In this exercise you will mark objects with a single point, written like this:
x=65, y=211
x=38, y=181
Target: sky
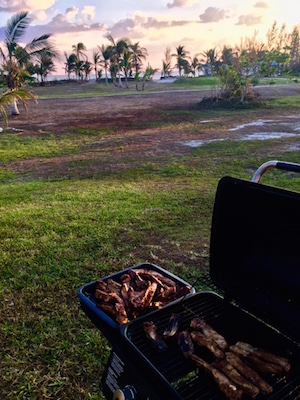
x=198, y=25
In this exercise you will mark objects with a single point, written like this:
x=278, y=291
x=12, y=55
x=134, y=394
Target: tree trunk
x=106, y=78
x=14, y=108
x=120, y=80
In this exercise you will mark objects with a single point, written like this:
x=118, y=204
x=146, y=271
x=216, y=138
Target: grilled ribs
x=234, y=375
x=251, y=359
x=152, y=334
x=248, y=373
x=141, y=290
x=199, y=324
x=203, y=341
x=224, y=384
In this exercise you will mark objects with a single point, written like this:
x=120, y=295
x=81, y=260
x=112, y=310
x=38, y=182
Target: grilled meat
x=141, y=290
x=228, y=388
x=137, y=298
x=182, y=291
x=113, y=286
x=125, y=290
x=113, y=304
x=255, y=362
x=248, y=373
x=266, y=356
x=185, y=344
x=234, y=375
x=155, y=276
x=108, y=296
x=121, y=317
x=151, y=333
x=199, y=324
x=174, y=324
x=203, y=341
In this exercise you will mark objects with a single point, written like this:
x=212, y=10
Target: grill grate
x=234, y=325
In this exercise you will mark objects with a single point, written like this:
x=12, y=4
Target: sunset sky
x=198, y=25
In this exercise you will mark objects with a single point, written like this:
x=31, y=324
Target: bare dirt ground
x=61, y=113
x=147, y=124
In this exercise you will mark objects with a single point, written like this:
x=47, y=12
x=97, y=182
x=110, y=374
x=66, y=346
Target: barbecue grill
x=255, y=263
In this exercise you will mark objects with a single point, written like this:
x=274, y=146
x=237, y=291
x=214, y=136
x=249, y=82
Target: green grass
x=201, y=82
x=285, y=102
x=15, y=147
x=91, y=89
x=64, y=230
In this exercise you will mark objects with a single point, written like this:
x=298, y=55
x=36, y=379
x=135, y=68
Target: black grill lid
x=254, y=254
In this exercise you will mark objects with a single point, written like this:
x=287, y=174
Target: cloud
x=74, y=20
x=122, y=28
x=21, y=5
x=261, y=4
x=39, y=15
x=71, y=13
x=249, y=20
x=89, y=12
x=213, y=14
x=154, y=23
x=179, y=3
x=138, y=26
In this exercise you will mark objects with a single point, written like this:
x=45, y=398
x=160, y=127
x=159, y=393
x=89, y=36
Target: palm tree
x=106, y=52
x=211, y=60
x=16, y=57
x=87, y=69
x=113, y=69
x=181, y=55
x=165, y=69
x=96, y=59
x=79, y=49
x=70, y=63
x=44, y=66
x=138, y=54
x=126, y=64
x=148, y=75
x=118, y=49
x=227, y=56
x=79, y=68
x=194, y=65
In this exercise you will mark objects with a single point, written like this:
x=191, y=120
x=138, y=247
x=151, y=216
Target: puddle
x=293, y=147
x=295, y=126
x=260, y=122
x=206, y=121
x=198, y=143
x=251, y=136
x=293, y=116
x=267, y=135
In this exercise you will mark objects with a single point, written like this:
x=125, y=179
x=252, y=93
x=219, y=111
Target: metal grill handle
x=287, y=166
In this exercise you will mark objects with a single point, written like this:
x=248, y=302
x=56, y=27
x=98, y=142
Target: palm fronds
x=16, y=27
x=38, y=44
x=10, y=96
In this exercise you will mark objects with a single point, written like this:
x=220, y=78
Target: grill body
x=255, y=262
x=180, y=376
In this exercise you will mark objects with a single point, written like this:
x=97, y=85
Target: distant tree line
x=19, y=64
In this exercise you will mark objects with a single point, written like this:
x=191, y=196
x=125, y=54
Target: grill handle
x=287, y=166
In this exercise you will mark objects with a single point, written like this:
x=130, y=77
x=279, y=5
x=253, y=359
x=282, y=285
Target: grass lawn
x=58, y=234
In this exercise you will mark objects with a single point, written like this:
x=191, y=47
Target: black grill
x=255, y=264
x=231, y=322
